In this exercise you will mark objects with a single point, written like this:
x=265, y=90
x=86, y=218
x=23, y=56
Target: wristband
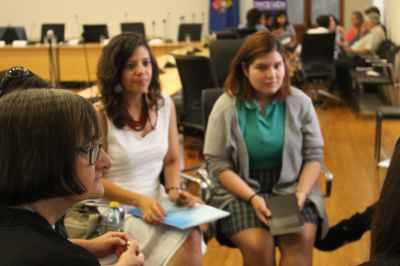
x=251, y=197
x=168, y=189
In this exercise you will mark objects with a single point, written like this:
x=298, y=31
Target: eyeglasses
x=13, y=73
x=92, y=151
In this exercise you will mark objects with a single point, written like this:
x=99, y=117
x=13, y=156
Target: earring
x=117, y=88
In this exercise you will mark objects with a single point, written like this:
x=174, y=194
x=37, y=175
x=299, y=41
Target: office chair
x=221, y=54
x=227, y=35
x=317, y=59
x=196, y=73
x=10, y=34
x=58, y=30
x=94, y=33
x=244, y=32
x=189, y=29
x=134, y=27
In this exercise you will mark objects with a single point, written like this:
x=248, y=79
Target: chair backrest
x=196, y=73
x=208, y=99
x=229, y=34
x=58, y=30
x=94, y=33
x=221, y=54
x=9, y=34
x=317, y=55
x=191, y=29
x=384, y=48
x=244, y=32
x=134, y=27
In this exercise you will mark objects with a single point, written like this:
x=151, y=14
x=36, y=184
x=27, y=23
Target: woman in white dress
x=139, y=123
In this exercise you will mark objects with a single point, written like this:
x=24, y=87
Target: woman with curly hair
x=141, y=136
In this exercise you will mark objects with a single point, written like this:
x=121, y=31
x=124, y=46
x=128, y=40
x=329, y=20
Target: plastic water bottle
x=113, y=219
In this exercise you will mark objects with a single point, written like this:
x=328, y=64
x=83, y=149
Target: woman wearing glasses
x=51, y=158
x=141, y=136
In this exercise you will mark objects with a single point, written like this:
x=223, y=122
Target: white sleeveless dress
x=137, y=163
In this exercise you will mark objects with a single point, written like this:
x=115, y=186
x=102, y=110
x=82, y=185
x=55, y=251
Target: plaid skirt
x=242, y=214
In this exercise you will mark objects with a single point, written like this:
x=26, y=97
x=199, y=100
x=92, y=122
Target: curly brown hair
x=254, y=46
x=111, y=64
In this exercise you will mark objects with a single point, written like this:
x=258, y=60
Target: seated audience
x=254, y=19
x=23, y=78
x=47, y=166
x=354, y=33
x=385, y=231
x=372, y=39
x=284, y=31
x=140, y=134
x=265, y=141
x=269, y=19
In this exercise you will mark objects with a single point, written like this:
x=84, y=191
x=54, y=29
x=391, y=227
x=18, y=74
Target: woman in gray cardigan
x=264, y=139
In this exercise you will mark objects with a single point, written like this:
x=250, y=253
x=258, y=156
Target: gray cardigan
x=225, y=148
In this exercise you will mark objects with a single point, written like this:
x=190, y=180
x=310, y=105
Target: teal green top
x=263, y=134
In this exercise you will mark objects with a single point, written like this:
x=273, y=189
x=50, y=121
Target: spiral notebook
x=184, y=217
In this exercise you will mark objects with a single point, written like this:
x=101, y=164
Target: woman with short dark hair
x=264, y=139
x=51, y=158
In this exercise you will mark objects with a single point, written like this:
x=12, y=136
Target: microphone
x=193, y=17
x=153, y=25
x=30, y=33
x=165, y=29
x=182, y=19
x=78, y=27
x=126, y=16
x=202, y=17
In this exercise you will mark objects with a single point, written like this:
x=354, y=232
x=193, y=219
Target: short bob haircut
x=254, y=46
x=111, y=64
x=41, y=130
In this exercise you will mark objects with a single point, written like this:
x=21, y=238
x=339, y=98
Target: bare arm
x=172, y=167
x=308, y=176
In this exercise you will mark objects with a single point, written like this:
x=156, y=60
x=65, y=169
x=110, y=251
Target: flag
x=223, y=14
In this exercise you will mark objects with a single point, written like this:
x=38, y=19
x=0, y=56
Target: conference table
x=74, y=63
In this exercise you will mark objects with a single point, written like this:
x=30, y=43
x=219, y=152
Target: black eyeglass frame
x=14, y=73
x=91, y=151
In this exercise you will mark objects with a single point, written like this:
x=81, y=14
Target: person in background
x=385, y=231
x=269, y=19
x=254, y=19
x=22, y=78
x=51, y=158
x=372, y=39
x=284, y=31
x=354, y=33
x=264, y=140
x=140, y=134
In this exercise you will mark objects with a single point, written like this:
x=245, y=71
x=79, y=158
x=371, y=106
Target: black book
x=286, y=217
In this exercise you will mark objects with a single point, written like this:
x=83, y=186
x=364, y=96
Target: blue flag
x=223, y=14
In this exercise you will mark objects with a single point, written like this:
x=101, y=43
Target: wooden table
x=71, y=59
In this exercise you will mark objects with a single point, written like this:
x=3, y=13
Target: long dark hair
x=385, y=231
x=255, y=45
x=111, y=64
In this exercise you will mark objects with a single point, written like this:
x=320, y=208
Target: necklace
x=144, y=116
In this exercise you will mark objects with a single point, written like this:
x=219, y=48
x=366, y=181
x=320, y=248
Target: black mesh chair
x=10, y=34
x=58, y=30
x=134, y=27
x=221, y=54
x=317, y=59
x=196, y=73
x=227, y=35
x=189, y=29
x=94, y=33
x=244, y=32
